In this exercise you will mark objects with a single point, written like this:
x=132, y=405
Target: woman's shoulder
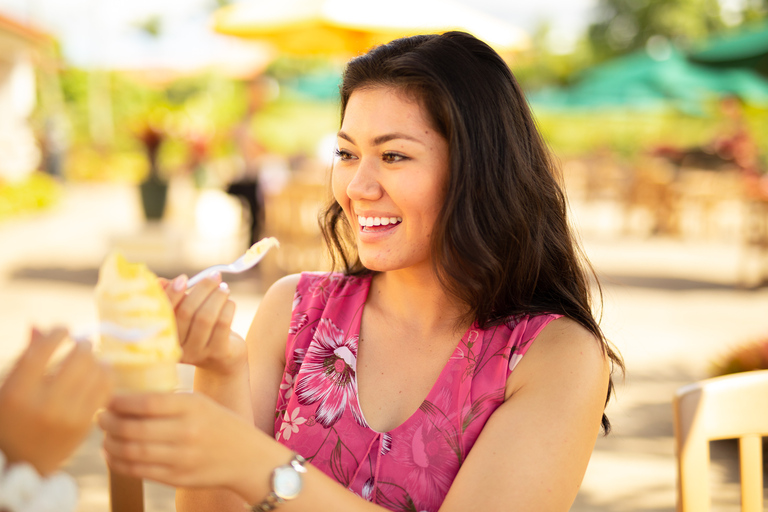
x=313, y=286
x=564, y=339
x=563, y=350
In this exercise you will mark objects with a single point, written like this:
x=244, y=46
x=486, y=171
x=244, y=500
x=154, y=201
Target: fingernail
x=180, y=283
x=224, y=286
x=216, y=277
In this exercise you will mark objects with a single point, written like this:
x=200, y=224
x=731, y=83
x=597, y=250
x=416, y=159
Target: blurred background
x=180, y=131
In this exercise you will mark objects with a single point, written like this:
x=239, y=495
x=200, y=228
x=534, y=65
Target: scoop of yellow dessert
x=260, y=248
x=129, y=295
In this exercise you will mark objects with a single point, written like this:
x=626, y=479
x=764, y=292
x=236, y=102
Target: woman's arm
x=531, y=455
x=266, y=341
x=204, y=317
x=265, y=346
x=534, y=450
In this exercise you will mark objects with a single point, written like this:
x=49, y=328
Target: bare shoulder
x=564, y=353
x=273, y=316
x=282, y=291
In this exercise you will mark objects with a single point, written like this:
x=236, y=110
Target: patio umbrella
x=746, y=46
x=641, y=82
x=349, y=27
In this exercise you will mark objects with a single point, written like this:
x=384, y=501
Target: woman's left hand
x=183, y=440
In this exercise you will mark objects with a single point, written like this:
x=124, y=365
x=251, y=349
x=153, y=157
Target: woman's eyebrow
x=381, y=139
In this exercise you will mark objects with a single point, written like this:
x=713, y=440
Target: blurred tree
x=624, y=26
x=548, y=63
x=754, y=10
x=152, y=26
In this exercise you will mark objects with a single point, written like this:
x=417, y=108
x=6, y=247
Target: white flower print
x=287, y=385
x=291, y=423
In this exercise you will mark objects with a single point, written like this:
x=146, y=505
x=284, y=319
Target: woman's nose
x=364, y=184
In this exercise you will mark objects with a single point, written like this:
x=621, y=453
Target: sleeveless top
x=318, y=415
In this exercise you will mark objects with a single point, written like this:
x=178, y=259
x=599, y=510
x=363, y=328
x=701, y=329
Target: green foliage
x=624, y=26
x=37, y=192
x=152, y=26
x=295, y=126
x=633, y=133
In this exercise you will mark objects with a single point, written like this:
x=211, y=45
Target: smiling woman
x=452, y=362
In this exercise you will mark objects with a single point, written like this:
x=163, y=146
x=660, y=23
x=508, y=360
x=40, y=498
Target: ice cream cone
x=129, y=295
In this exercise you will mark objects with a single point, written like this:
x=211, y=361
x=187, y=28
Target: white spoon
x=247, y=261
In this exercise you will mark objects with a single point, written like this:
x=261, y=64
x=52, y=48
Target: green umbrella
x=746, y=47
x=638, y=81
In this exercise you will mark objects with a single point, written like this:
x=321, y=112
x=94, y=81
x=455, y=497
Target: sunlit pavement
x=671, y=307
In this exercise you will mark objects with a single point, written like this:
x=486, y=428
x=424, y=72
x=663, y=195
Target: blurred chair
x=651, y=187
x=292, y=217
x=729, y=407
x=704, y=191
x=126, y=493
x=753, y=268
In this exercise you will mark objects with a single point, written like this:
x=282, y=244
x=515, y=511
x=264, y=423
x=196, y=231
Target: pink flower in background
x=328, y=375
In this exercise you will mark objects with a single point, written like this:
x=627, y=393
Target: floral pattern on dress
x=328, y=375
x=411, y=467
x=290, y=424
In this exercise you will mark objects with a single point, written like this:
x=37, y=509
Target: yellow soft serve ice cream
x=129, y=295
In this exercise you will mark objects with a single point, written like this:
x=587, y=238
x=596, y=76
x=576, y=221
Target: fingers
x=153, y=405
x=187, y=309
x=155, y=472
x=175, y=289
x=82, y=383
x=128, y=428
x=208, y=341
x=32, y=363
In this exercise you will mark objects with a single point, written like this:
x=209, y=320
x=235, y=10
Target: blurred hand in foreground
x=47, y=410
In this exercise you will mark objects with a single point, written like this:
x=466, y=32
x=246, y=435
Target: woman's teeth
x=378, y=221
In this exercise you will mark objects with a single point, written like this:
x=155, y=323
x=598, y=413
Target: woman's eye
x=343, y=154
x=392, y=158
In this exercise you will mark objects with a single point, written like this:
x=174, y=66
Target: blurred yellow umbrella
x=349, y=27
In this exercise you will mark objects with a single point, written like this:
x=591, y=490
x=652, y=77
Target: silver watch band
x=272, y=501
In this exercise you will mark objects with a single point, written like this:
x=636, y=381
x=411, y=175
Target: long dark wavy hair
x=502, y=244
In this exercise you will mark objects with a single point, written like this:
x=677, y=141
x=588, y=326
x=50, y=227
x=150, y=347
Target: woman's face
x=390, y=177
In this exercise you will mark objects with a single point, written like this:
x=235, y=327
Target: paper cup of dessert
x=130, y=296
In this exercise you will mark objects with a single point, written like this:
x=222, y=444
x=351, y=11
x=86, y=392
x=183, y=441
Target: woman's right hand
x=204, y=317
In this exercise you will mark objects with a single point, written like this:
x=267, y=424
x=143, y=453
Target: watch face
x=286, y=482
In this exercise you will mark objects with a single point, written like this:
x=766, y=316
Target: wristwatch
x=286, y=484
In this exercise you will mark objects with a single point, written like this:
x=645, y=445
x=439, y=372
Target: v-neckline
x=457, y=349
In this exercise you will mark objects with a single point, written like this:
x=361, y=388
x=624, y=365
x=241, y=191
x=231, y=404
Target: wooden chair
x=126, y=494
x=729, y=407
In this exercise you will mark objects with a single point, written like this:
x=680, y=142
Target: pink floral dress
x=411, y=467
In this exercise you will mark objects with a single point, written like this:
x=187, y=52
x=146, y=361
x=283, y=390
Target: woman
x=396, y=380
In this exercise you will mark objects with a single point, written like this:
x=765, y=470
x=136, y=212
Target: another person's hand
x=183, y=439
x=204, y=319
x=45, y=413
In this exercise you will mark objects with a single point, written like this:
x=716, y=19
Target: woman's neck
x=416, y=301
